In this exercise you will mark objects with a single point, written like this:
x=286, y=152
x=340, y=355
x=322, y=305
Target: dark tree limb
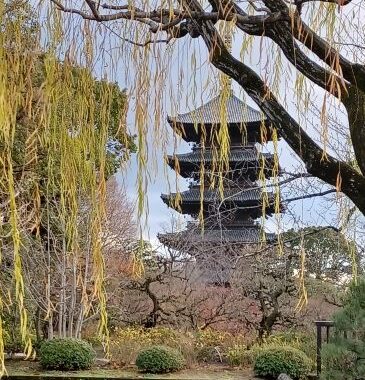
x=339, y=2
x=281, y=34
x=320, y=194
x=352, y=72
x=328, y=169
x=355, y=106
x=351, y=92
x=159, y=16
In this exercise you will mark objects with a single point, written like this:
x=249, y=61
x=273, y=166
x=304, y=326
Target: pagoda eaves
x=244, y=122
x=252, y=235
x=248, y=201
x=243, y=160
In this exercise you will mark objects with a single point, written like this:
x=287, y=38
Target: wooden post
x=327, y=325
x=319, y=347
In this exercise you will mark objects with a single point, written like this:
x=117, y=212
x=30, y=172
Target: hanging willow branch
x=343, y=79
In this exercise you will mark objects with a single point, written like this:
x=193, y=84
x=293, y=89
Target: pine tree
x=344, y=356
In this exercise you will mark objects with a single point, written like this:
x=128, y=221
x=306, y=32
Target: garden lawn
x=28, y=368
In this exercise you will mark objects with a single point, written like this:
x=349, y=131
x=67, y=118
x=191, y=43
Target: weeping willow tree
x=63, y=134
x=163, y=49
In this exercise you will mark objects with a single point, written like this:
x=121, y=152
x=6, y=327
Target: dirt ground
x=20, y=369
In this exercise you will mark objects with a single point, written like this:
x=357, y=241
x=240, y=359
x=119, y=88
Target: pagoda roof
x=211, y=195
x=245, y=235
x=237, y=155
x=244, y=122
x=246, y=202
x=245, y=161
x=237, y=112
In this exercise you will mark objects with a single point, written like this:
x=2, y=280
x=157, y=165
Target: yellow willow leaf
x=277, y=201
x=263, y=131
x=303, y=294
x=278, y=71
x=324, y=132
x=338, y=182
x=263, y=239
x=354, y=259
x=138, y=265
x=202, y=189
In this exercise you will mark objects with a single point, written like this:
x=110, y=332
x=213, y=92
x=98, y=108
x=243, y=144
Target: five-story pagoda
x=229, y=213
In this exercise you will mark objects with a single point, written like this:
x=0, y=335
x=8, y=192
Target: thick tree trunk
x=355, y=106
x=152, y=318
x=79, y=322
x=62, y=331
x=266, y=324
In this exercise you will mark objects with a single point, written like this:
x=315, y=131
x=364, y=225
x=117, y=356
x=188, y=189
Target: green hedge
x=66, y=354
x=159, y=359
x=272, y=361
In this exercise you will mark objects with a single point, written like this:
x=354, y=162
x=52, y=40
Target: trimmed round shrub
x=272, y=361
x=303, y=341
x=159, y=359
x=66, y=354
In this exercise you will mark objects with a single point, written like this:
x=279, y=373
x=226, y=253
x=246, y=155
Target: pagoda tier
x=244, y=123
x=243, y=162
x=245, y=202
x=196, y=238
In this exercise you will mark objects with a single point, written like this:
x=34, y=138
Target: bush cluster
x=127, y=342
x=213, y=346
x=240, y=356
x=205, y=346
x=303, y=341
x=13, y=344
x=66, y=354
x=212, y=338
x=159, y=359
x=272, y=361
x=339, y=363
x=208, y=345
